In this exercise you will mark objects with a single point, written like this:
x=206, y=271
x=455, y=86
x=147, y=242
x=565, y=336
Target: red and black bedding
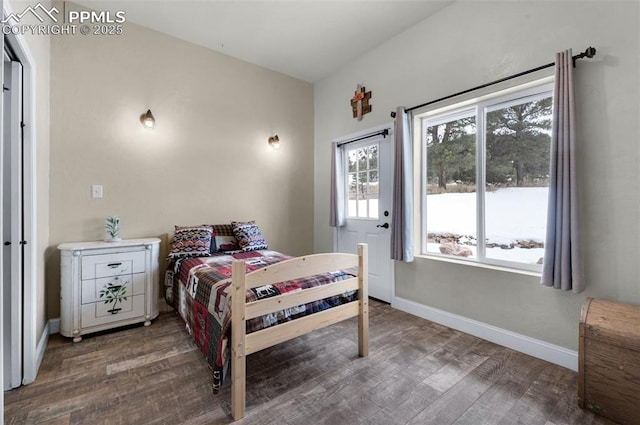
x=198, y=287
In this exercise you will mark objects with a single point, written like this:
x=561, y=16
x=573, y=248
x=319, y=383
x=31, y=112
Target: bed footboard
x=243, y=344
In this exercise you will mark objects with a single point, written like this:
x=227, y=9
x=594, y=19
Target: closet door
x=12, y=223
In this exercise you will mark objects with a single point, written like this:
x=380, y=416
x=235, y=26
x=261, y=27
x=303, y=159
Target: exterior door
x=368, y=180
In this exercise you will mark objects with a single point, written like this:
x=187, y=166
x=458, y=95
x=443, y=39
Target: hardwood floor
x=417, y=372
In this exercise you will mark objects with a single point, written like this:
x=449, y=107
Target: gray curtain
x=402, y=208
x=562, y=267
x=336, y=201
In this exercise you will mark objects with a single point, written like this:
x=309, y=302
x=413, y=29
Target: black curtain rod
x=589, y=53
x=384, y=133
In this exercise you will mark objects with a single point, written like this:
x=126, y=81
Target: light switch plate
x=96, y=191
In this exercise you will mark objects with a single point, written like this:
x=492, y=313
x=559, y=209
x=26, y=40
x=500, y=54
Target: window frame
x=482, y=105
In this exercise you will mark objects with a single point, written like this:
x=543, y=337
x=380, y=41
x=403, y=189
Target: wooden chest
x=609, y=360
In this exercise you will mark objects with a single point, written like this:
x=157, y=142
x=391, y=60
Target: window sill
x=478, y=264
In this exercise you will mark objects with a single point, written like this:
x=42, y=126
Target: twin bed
x=239, y=301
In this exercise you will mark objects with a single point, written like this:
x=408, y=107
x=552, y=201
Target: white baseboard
x=531, y=346
x=54, y=326
x=40, y=349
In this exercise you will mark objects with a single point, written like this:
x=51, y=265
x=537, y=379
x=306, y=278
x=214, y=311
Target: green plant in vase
x=112, y=228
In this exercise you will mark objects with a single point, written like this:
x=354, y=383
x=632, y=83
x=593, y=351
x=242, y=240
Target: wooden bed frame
x=243, y=344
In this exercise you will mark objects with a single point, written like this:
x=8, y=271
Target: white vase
x=112, y=229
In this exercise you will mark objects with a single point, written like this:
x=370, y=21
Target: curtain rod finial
x=590, y=52
x=393, y=114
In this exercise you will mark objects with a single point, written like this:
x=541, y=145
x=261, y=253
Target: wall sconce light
x=147, y=119
x=274, y=142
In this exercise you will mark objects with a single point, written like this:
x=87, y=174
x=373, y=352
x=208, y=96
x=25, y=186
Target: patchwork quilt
x=199, y=289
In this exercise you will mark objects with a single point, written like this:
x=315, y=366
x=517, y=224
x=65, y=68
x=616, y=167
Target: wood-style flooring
x=417, y=372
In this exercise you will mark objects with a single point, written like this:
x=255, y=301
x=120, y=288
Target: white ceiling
x=306, y=39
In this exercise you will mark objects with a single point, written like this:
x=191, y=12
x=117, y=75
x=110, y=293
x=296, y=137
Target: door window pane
x=373, y=193
x=362, y=182
x=362, y=192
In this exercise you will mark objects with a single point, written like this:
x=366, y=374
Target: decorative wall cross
x=360, y=102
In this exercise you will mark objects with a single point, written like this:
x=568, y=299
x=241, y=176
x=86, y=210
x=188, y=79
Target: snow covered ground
x=512, y=214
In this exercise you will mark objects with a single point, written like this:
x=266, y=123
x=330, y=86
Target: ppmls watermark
x=85, y=22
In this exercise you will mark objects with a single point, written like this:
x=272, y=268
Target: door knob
x=384, y=226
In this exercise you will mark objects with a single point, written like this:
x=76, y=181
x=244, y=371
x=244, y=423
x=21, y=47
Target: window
x=362, y=182
x=485, y=180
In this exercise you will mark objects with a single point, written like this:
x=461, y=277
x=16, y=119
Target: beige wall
x=207, y=160
x=471, y=43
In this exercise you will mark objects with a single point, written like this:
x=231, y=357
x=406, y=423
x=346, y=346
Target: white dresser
x=104, y=285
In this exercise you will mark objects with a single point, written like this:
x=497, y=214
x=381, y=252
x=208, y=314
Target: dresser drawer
x=104, y=265
x=99, y=313
x=123, y=285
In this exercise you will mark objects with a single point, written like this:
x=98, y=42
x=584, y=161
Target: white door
x=1, y=237
x=368, y=180
x=12, y=224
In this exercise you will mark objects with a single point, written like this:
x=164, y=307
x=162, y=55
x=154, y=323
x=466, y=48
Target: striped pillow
x=191, y=241
x=248, y=235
